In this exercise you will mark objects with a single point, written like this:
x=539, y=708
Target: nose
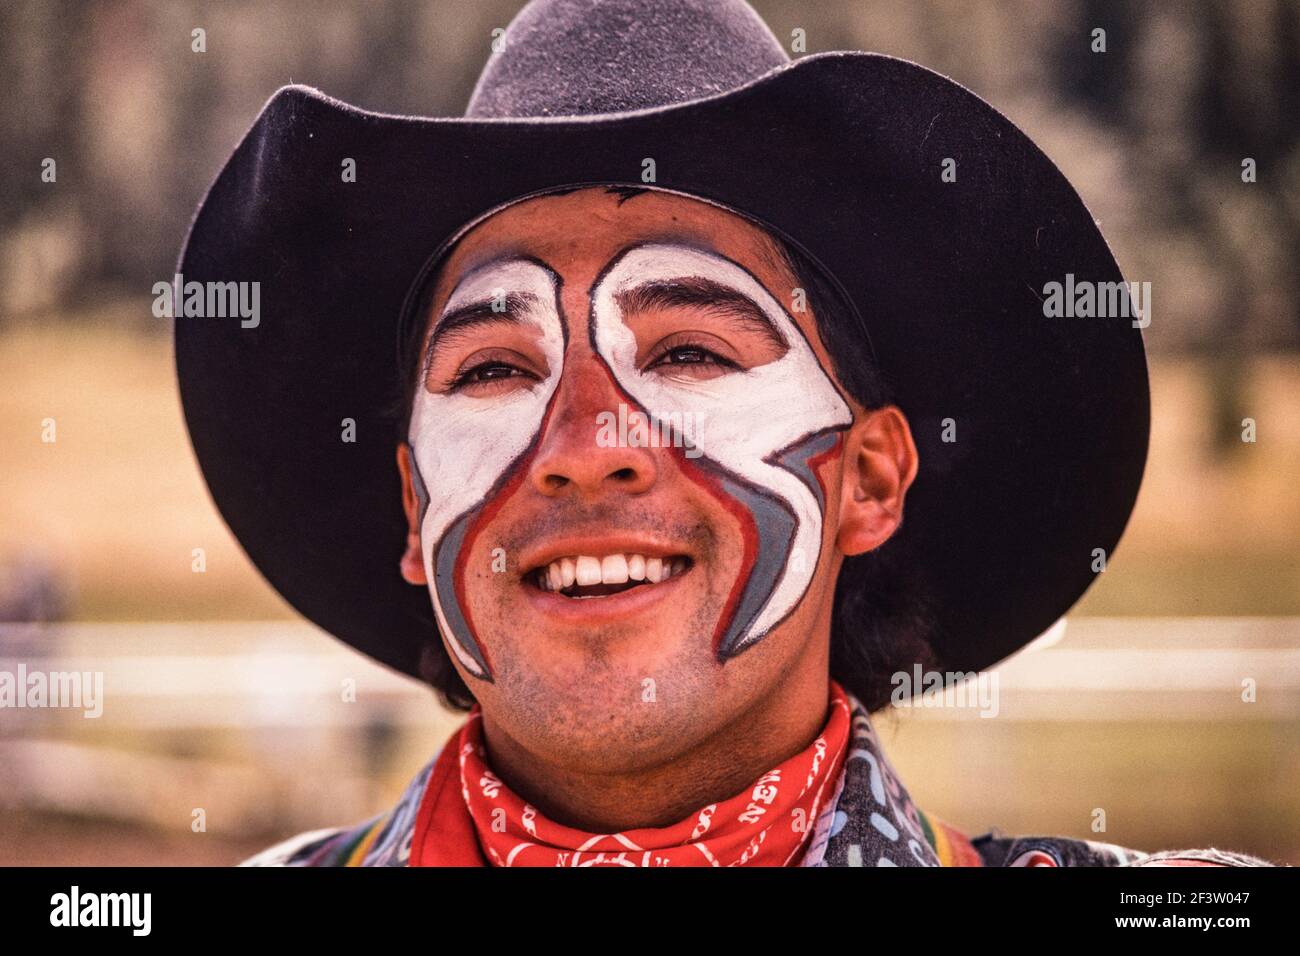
x=574, y=455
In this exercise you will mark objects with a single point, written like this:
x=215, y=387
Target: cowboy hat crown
x=584, y=57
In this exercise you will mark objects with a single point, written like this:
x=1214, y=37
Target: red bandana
x=767, y=824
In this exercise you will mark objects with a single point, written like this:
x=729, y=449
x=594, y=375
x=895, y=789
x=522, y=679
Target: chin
x=602, y=711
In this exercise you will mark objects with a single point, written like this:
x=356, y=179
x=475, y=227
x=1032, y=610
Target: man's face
x=627, y=456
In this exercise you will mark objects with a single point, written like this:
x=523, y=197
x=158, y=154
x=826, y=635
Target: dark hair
x=880, y=621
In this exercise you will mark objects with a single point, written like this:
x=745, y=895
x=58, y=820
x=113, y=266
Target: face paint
x=466, y=448
x=768, y=428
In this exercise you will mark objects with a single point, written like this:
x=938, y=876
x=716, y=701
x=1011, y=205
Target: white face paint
x=764, y=424
x=464, y=446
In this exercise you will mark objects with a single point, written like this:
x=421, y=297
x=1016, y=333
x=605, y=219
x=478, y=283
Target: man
x=682, y=331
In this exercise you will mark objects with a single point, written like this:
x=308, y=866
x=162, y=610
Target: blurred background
x=222, y=707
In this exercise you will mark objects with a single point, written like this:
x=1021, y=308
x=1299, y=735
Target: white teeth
x=588, y=570
x=585, y=569
x=613, y=569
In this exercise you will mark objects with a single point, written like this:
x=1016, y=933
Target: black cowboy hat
x=841, y=154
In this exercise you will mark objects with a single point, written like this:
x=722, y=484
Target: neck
x=778, y=725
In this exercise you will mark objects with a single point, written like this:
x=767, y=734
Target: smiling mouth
x=588, y=576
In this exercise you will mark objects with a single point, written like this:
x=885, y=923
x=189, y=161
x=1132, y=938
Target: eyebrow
x=476, y=314
x=701, y=293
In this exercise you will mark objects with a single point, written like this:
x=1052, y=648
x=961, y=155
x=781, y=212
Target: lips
x=592, y=576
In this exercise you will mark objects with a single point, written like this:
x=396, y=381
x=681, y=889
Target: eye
x=489, y=376
x=690, y=360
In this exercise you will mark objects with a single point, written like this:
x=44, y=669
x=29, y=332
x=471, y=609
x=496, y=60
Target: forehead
x=577, y=233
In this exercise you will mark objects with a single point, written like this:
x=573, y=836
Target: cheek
x=466, y=557
x=485, y=567
x=826, y=471
x=739, y=545
x=488, y=583
x=829, y=472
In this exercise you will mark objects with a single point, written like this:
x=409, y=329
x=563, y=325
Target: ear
x=412, y=562
x=880, y=463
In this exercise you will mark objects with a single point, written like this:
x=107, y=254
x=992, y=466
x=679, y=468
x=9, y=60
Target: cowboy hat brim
x=842, y=153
